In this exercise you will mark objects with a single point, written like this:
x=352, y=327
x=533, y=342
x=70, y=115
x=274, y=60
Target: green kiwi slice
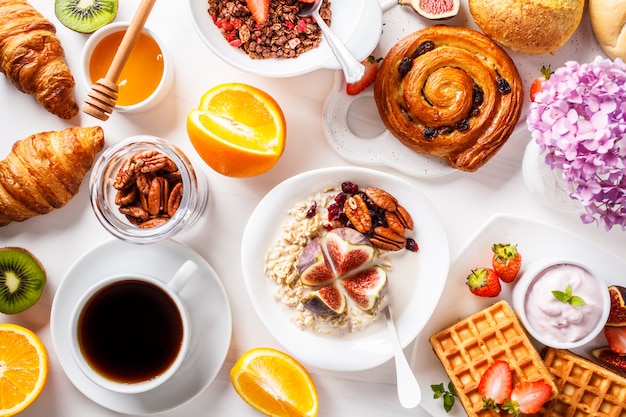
x=85, y=16
x=22, y=280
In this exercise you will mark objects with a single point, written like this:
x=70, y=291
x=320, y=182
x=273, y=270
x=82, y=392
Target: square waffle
x=585, y=388
x=468, y=347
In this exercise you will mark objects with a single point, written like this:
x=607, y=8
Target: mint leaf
x=448, y=396
x=567, y=297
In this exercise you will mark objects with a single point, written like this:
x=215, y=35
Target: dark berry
x=405, y=66
x=334, y=211
x=503, y=85
x=462, y=125
x=411, y=245
x=340, y=198
x=430, y=132
x=478, y=97
x=349, y=187
x=312, y=210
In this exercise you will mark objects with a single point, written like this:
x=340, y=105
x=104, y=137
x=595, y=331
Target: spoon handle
x=353, y=70
x=409, y=391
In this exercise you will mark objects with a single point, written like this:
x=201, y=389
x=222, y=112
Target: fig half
x=434, y=9
x=348, y=250
x=611, y=360
x=313, y=267
x=326, y=301
x=617, y=314
x=366, y=288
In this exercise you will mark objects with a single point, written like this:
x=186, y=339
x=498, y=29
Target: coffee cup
x=131, y=332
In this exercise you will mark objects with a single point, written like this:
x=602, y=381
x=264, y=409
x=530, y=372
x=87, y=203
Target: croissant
x=45, y=170
x=450, y=92
x=32, y=58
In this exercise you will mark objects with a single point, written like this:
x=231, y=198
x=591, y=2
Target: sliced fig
x=434, y=9
x=611, y=360
x=313, y=267
x=616, y=336
x=348, y=250
x=617, y=314
x=326, y=301
x=366, y=288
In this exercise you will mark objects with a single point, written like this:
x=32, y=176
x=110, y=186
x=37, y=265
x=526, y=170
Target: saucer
x=206, y=301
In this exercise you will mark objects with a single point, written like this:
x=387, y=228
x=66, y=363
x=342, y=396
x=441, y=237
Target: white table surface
x=464, y=202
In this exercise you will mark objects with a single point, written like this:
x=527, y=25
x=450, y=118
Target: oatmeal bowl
x=325, y=251
x=286, y=45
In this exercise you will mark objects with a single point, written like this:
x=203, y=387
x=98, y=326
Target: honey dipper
x=103, y=95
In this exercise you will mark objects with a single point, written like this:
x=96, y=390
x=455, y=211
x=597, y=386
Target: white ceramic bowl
x=524, y=286
x=162, y=89
x=358, y=23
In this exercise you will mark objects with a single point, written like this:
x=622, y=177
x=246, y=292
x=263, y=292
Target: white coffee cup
x=130, y=332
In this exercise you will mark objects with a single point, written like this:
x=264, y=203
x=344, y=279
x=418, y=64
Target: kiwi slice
x=85, y=16
x=22, y=280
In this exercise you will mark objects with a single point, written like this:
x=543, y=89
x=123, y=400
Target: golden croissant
x=45, y=170
x=32, y=58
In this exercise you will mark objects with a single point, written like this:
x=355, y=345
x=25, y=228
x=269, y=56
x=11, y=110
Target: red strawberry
x=506, y=261
x=371, y=69
x=484, y=282
x=260, y=10
x=527, y=398
x=536, y=86
x=616, y=336
x=496, y=384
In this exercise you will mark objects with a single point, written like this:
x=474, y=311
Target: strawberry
x=506, y=261
x=616, y=336
x=371, y=69
x=260, y=10
x=484, y=282
x=536, y=86
x=496, y=384
x=527, y=398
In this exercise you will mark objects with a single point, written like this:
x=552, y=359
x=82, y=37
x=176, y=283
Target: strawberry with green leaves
x=527, y=398
x=536, y=86
x=506, y=261
x=484, y=282
x=371, y=70
x=496, y=384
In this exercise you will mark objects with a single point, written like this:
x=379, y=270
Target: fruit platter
x=279, y=212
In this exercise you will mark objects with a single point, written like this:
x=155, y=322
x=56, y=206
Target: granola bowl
x=358, y=23
x=145, y=190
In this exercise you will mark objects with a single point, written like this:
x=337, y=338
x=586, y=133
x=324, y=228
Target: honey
x=142, y=72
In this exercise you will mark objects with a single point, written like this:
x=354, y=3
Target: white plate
x=352, y=124
x=535, y=240
x=358, y=23
x=415, y=282
x=208, y=308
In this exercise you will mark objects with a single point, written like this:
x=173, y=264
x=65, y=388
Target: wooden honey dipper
x=101, y=99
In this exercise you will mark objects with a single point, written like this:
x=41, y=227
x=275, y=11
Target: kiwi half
x=85, y=16
x=22, y=280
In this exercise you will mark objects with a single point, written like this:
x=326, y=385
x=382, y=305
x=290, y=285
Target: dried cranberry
x=349, y=187
x=411, y=245
x=312, y=210
x=340, y=198
x=334, y=211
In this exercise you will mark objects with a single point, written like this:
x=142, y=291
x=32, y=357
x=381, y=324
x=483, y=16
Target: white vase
x=546, y=184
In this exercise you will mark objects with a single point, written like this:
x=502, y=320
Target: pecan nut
x=357, y=212
x=173, y=202
x=381, y=198
x=394, y=222
x=387, y=239
x=405, y=217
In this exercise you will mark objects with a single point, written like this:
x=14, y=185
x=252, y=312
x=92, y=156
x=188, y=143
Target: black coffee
x=130, y=331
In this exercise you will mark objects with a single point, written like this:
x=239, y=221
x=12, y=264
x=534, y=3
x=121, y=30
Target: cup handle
x=182, y=276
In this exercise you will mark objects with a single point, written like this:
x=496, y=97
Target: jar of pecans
x=145, y=190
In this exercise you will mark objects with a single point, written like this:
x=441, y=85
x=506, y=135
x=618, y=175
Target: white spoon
x=409, y=391
x=353, y=70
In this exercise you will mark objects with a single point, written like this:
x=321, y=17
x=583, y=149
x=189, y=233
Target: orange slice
x=238, y=130
x=274, y=383
x=23, y=368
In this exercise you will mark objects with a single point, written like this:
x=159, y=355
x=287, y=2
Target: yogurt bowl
x=561, y=302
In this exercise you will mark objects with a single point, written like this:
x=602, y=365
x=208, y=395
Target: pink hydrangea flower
x=579, y=122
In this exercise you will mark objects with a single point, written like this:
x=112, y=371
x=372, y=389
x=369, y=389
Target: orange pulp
x=141, y=74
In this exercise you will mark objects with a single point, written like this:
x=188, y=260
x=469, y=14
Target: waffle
x=585, y=388
x=468, y=347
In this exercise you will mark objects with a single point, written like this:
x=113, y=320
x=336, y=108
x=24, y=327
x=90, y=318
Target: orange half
x=238, y=130
x=23, y=368
x=275, y=384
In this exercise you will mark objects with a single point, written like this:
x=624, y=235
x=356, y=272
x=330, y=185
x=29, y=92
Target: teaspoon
x=353, y=70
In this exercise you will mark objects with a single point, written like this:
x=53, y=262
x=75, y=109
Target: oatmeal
x=284, y=35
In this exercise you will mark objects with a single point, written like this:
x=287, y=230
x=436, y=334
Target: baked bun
x=450, y=92
x=528, y=26
x=608, y=21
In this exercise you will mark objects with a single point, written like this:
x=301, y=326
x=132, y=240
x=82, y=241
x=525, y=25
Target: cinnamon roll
x=450, y=92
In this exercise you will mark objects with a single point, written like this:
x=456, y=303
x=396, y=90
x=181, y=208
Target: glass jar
x=129, y=218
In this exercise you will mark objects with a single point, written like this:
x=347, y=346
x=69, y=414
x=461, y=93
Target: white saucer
x=206, y=301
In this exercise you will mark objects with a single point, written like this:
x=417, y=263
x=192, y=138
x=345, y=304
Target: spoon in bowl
x=353, y=70
x=409, y=391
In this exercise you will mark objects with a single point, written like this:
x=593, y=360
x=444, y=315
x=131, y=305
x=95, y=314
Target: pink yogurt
x=558, y=321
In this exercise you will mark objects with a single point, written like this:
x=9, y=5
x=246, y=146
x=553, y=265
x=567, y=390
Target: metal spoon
x=353, y=70
x=409, y=391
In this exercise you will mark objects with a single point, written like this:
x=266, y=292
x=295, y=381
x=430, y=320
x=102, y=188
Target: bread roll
x=449, y=92
x=528, y=26
x=608, y=21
